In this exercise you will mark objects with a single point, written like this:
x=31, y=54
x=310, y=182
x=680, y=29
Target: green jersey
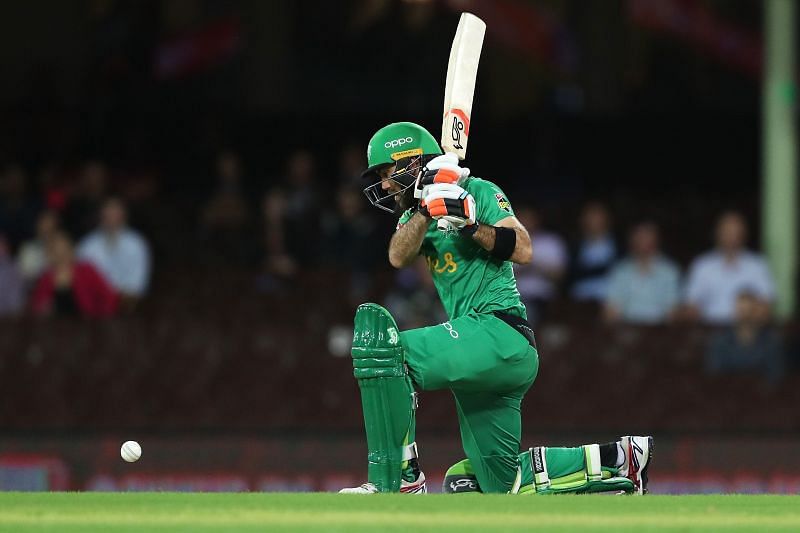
x=466, y=276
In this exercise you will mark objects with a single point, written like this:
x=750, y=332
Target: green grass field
x=111, y=512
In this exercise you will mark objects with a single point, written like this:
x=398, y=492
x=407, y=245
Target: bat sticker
x=456, y=130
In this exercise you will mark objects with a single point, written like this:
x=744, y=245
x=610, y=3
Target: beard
x=403, y=200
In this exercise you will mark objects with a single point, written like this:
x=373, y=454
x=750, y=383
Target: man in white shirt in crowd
x=717, y=277
x=644, y=287
x=537, y=281
x=119, y=252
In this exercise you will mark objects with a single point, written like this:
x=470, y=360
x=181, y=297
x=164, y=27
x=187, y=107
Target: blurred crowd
x=639, y=283
x=728, y=286
x=67, y=248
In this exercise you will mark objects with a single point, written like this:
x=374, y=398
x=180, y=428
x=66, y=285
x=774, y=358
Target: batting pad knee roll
x=460, y=478
x=387, y=396
x=376, y=350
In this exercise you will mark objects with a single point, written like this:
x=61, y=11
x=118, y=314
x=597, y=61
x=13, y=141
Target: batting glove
x=449, y=202
x=441, y=169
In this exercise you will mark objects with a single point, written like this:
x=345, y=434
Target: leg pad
x=592, y=478
x=377, y=352
x=387, y=397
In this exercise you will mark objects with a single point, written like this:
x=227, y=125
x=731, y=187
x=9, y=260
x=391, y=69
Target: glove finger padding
x=439, y=175
x=447, y=160
x=452, y=203
x=443, y=169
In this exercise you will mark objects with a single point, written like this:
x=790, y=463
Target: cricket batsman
x=485, y=354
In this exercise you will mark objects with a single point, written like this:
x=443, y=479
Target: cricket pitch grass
x=171, y=512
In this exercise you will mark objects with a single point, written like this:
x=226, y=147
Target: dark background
x=603, y=107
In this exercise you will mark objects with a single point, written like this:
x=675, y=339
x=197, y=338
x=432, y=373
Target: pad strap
x=541, y=479
x=410, y=452
x=515, y=488
x=594, y=470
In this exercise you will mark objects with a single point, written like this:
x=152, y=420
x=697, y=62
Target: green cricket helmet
x=408, y=147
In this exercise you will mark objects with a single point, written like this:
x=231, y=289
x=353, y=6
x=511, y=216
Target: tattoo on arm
x=406, y=241
x=485, y=237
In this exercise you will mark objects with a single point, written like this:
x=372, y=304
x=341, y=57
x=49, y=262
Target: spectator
x=351, y=164
x=538, y=281
x=81, y=213
x=413, y=300
x=11, y=284
x=54, y=191
x=226, y=210
x=290, y=219
x=350, y=241
x=226, y=213
x=749, y=345
x=276, y=259
x=301, y=205
x=593, y=256
x=71, y=288
x=643, y=288
x=32, y=255
x=17, y=210
x=120, y=253
x=716, y=277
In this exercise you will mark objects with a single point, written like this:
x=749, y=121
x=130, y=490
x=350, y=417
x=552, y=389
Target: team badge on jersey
x=502, y=203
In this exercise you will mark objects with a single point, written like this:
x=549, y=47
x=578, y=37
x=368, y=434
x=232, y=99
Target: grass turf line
x=173, y=512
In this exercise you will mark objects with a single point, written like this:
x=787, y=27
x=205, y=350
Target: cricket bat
x=462, y=71
x=459, y=89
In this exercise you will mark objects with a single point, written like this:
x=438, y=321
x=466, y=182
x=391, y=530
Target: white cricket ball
x=131, y=451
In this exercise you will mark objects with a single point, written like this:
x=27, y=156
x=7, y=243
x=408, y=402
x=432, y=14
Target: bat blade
x=462, y=71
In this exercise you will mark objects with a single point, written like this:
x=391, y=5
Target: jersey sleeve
x=404, y=218
x=492, y=202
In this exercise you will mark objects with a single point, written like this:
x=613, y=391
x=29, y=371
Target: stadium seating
x=243, y=360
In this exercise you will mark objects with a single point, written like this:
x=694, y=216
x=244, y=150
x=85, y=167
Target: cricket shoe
x=406, y=487
x=638, y=453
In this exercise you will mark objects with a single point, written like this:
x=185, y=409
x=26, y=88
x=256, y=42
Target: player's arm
x=407, y=240
x=494, y=228
x=487, y=237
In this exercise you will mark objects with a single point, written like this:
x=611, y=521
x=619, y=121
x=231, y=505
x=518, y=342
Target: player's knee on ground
x=460, y=478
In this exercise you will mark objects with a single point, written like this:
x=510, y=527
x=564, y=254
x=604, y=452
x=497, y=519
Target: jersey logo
x=394, y=338
x=502, y=203
x=449, y=327
x=449, y=265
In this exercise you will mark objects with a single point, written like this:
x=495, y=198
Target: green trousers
x=489, y=366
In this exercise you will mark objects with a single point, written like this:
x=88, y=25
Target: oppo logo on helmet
x=394, y=143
